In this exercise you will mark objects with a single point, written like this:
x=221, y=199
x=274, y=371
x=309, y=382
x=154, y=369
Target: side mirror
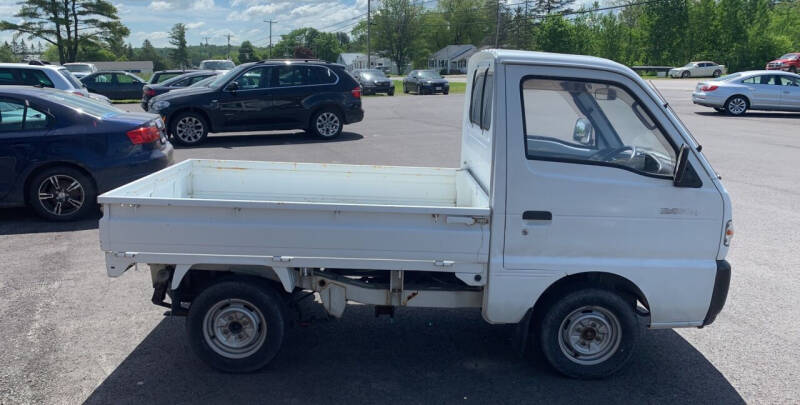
x=233, y=86
x=583, y=132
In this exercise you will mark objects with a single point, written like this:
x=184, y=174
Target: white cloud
x=159, y=5
x=195, y=25
x=203, y=5
x=261, y=10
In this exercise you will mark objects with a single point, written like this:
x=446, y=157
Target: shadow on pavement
x=262, y=139
x=422, y=356
x=15, y=221
x=753, y=114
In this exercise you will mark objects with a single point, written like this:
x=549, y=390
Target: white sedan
x=699, y=69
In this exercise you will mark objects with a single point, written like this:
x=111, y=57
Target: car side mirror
x=233, y=86
x=583, y=132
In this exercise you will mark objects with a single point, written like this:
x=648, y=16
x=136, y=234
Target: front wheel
x=716, y=73
x=736, y=105
x=685, y=74
x=236, y=327
x=327, y=123
x=589, y=333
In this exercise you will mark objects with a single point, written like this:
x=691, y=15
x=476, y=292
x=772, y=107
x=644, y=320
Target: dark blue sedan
x=59, y=150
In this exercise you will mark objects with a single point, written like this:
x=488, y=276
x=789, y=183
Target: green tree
x=177, y=38
x=396, y=29
x=148, y=52
x=327, y=47
x=247, y=53
x=6, y=53
x=67, y=24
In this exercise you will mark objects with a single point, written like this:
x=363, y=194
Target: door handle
x=537, y=216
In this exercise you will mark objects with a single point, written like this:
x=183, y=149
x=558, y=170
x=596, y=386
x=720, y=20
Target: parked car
x=178, y=82
x=164, y=75
x=45, y=75
x=115, y=85
x=80, y=70
x=582, y=213
x=59, y=150
x=269, y=95
x=699, y=69
x=218, y=65
x=425, y=82
x=756, y=90
x=373, y=81
x=789, y=63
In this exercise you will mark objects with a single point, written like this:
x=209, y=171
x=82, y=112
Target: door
x=244, y=101
x=101, y=83
x=293, y=87
x=127, y=87
x=20, y=127
x=790, y=93
x=764, y=91
x=589, y=187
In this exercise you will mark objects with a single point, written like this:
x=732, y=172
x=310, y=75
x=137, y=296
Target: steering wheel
x=607, y=155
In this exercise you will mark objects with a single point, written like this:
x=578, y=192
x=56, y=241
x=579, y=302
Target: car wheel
x=326, y=123
x=62, y=194
x=589, y=333
x=189, y=129
x=405, y=89
x=793, y=69
x=446, y=92
x=716, y=73
x=236, y=327
x=685, y=74
x=391, y=92
x=736, y=105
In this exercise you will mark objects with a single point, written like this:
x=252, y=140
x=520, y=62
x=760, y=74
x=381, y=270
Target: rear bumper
x=151, y=162
x=705, y=100
x=722, y=282
x=353, y=115
x=379, y=89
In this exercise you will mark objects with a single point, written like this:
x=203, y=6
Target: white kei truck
x=583, y=211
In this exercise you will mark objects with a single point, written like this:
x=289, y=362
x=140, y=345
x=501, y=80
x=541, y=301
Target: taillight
x=77, y=93
x=356, y=92
x=728, y=236
x=149, y=92
x=709, y=87
x=145, y=134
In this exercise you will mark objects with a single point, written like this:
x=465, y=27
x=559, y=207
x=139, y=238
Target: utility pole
x=269, y=53
x=369, y=27
x=497, y=27
x=229, y=46
x=208, y=51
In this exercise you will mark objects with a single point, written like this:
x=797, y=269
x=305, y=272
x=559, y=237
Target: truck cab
x=583, y=211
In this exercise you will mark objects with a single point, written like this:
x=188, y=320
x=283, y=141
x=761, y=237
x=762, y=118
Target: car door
x=127, y=86
x=294, y=85
x=589, y=187
x=763, y=91
x=244, y=101
x=21, y=125
x=101, y=83
x=790, y=93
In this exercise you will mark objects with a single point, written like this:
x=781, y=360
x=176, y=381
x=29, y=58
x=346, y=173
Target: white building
x=452, y=58
x=136, y=66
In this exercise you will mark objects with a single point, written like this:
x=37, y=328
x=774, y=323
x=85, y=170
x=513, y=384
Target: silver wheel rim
x=737, y=106
x=589, y=335
x=234, y=328
x=327, y=124
x=189, y=129
x=61, y=195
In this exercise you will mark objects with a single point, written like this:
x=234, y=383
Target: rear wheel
x=236, y=327
x=589, y=333
x=736, y=105
x=793, y=69
x=189, y=129
x=326, y=123
x=62, y=194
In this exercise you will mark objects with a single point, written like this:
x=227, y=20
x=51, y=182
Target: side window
x=35, y=119
x=183, y=83
x=125, y=79
x=196, y=79
x=7, y=77
x=321, y=75
x=16, y=116
x=31, y=77
x=595, y=123
x=477, y=98
x=751, y=80
x=292, y=76
x=787, y=81
x=488, y=96
x=103, y=78
x=256, y=78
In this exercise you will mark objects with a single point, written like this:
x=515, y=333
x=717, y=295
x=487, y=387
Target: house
x=452, y=58
x=138, y=67
x=347, y=59
x=353, y=61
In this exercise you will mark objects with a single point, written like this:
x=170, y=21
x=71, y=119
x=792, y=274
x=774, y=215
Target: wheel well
x=50, y=165
x=324, y=106
x=746, y=100
x=197, y=280
x=198, y=111
x=607, y=281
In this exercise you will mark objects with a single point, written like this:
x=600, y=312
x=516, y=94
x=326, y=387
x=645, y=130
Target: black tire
x=716, y=73
x=585, y=307
x=391, y=92
x=737, y=105
x=248, y=303
x=62, y=193
x=446, y=92
x=719, y=110
x=326, y=123
x=405, y=89
x=685, y=74
x=193, y=128
x=793, y=69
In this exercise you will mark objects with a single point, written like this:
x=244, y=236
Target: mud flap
x=520, y=338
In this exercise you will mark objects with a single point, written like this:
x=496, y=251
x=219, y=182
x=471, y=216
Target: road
x=69, y=334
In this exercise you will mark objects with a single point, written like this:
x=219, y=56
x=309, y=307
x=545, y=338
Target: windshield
x=790, y=56
x=429, y=74
x=222, y=79
x=729, y=77
x=173, y=79
x=79, y=68
x=690, y=64
x=217, y=65
x=205, y=82
x=83, y=105
x=70, y=78
x=373, y=74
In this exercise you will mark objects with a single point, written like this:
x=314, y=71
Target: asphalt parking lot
x=69, y=334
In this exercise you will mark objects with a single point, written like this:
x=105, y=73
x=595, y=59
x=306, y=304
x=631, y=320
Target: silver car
x=698, y=69
x=757, y=90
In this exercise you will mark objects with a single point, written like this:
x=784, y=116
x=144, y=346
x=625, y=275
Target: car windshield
x=217, y=65
x=222, y=79
x=690, y=64
x=790, y=56
x=70, y=78
x=173, y=79
x=79, y=68
x=429, y=74
x=205, y=82
x=83, y=105
x=729, y=77
x=373, y=74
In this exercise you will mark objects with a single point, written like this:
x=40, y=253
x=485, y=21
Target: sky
x=215, y=19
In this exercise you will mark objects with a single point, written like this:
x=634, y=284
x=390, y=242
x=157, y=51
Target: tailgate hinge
x=282, y=259
x=443, y=263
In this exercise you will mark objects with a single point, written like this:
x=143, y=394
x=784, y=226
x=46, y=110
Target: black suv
x=268, y=95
